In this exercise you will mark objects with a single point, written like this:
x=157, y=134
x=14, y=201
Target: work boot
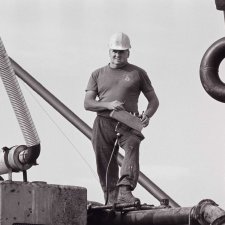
x=125, y=195
x=112, y=196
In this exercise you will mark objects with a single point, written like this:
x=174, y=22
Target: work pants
x=103, y=140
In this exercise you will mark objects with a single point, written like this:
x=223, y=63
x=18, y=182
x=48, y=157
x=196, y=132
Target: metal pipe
x=10, y=160
x=206, y=212
x=51, y=99
x=30, y=155
x=83, y=127
x=169, y=216
x=22, y=113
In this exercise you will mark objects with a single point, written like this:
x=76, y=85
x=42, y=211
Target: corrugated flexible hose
x=20, y=108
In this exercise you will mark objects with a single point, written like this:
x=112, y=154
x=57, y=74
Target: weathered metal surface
x=205, y=213
x=9, y=160
x=169, y=216
x=41, y=203
x=208, y=212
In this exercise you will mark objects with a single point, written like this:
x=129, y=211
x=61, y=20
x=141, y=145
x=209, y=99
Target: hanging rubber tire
x=209, y=70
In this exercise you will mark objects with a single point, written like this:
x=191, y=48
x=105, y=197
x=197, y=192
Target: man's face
x=118, y=58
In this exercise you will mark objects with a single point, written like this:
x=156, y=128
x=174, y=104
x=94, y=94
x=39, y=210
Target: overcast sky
x=61, y=42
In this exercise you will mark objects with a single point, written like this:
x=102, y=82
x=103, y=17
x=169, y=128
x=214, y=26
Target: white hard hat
x=119, y=41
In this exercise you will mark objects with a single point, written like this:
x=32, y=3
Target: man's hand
x=145, y=120
x=116, y=105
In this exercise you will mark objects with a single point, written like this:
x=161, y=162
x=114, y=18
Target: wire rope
x=63, y=133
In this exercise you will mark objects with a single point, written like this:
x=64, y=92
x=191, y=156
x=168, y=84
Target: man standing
x=117, y=86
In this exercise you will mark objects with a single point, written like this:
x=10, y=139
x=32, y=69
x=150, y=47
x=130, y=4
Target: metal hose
x=20, y=108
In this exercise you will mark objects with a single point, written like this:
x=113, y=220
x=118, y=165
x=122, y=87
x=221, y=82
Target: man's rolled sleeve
x=92, y=83
x=146, y=85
